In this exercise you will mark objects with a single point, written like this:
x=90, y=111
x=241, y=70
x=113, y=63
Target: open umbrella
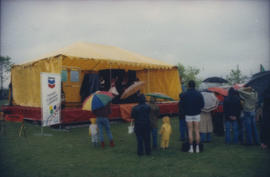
x=132, y=89
x=215, y=80
x=97, y=100
x=259, y=82
x=210, y=101
x=219, y=90
x=159, y=95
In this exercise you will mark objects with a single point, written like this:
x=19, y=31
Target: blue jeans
x=154, y=137
x=241, y=129
x=205, y=137
x=250, y=126
x=228, y=125
x=143, y=140
x=104, y=122
x=183, y=129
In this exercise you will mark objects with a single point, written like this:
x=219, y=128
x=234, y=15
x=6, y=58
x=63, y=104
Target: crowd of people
x=238, y=118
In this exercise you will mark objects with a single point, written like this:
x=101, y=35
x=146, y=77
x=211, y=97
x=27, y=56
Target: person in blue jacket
x=193, y=102
x=142, y=126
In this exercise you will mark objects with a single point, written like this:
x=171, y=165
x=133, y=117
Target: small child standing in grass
x=165, y=132
x=93, y=131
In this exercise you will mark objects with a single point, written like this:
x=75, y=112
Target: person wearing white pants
x=193, y=103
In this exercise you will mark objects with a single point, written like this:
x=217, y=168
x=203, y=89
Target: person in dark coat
x=217, y=115
x=193, y=102
x=265, y=126
x=232, y=110
x=142, y=127
x=182, y=122
x=154, y=113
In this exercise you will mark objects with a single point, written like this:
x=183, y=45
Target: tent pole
x=110, y=75
x=148, y=78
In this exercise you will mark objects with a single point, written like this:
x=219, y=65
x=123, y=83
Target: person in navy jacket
x=232, y=111
x=192, y=104
x=142, y=126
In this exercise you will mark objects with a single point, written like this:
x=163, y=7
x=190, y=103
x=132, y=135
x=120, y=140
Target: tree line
x=5, y=66
x=187, y=73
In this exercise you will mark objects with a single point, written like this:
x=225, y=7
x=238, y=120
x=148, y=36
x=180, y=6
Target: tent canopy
x=159, y=76
x=88, y=56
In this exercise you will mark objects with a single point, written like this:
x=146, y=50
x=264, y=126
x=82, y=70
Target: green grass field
x=71, y=154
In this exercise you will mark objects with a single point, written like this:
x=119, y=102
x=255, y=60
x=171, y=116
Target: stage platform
x=71, y=115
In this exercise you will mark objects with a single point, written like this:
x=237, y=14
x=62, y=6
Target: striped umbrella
x=97, y=100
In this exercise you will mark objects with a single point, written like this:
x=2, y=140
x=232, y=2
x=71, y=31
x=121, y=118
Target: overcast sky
x=214, y=36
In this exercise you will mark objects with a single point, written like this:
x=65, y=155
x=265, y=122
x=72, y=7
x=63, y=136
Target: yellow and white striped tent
x=85, y=57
